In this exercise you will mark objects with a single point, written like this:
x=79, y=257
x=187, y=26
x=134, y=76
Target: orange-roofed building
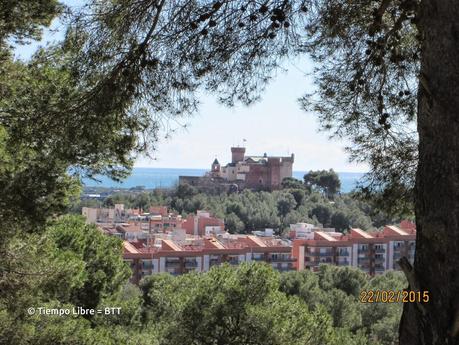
x=163, y=221
x=372, y=252
x=200, y=254
x=160, y=210
x=180, y=252
x=202, y=223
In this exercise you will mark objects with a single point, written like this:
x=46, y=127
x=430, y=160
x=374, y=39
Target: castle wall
x=274, y=172
x=286, y=170
x=257, y=177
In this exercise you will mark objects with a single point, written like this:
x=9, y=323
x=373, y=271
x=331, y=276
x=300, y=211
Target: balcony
x=397, y=255
x=213, y=262
x=363, y=261
x=283, y=259
x=380, y=268
x=327, y=253
x=343, y=253
x=284, y=269
x=379, y=260
x=326, y=261
x=191, y=264
x=172, y=260
x=343, y=263
x=258, y=258
x=173, y=263
x=380, y=250
x=147, y=266
x=233, y=261
x=363, y=251
x=311, y=263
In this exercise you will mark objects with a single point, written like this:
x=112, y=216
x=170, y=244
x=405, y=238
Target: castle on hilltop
x=253, y=172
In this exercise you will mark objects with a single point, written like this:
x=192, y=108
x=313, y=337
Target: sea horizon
x=152, y=178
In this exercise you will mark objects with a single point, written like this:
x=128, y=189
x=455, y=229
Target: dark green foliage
x=304, y=284
x=129, y=299
x=33, y=188
x=322, y=213
x=108, y=202
x=339, y=221
x=41, y=114
x=383, y=318
x=324, y=181
x=104, y=270
x=185, y=191
x=344, y=309
x=241, y=305
x=24, y=20
x=234, y=224
x=44, y=137
x=142, y=201
x=69, y=265
x=285, y=204
x=338, y=289
x=349, y=280
x=299, y=196
x=291, y=182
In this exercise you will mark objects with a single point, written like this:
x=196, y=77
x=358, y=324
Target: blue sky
x=275, y=125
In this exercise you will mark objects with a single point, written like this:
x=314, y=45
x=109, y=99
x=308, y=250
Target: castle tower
x=215, y=166
x=237, y=154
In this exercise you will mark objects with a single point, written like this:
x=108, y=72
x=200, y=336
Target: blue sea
x=166, y=178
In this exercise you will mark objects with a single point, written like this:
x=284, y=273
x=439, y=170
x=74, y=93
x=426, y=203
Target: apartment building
x=132, y=231
x=372, y=252
x=305, y=231
x=203, y=223
x=165, y=223
x=105, y=215
x=180, y=253
x=132, y=224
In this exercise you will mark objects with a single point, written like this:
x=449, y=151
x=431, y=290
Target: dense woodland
x=298, y=201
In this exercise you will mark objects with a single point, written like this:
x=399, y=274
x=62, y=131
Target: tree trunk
x=436, y=267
